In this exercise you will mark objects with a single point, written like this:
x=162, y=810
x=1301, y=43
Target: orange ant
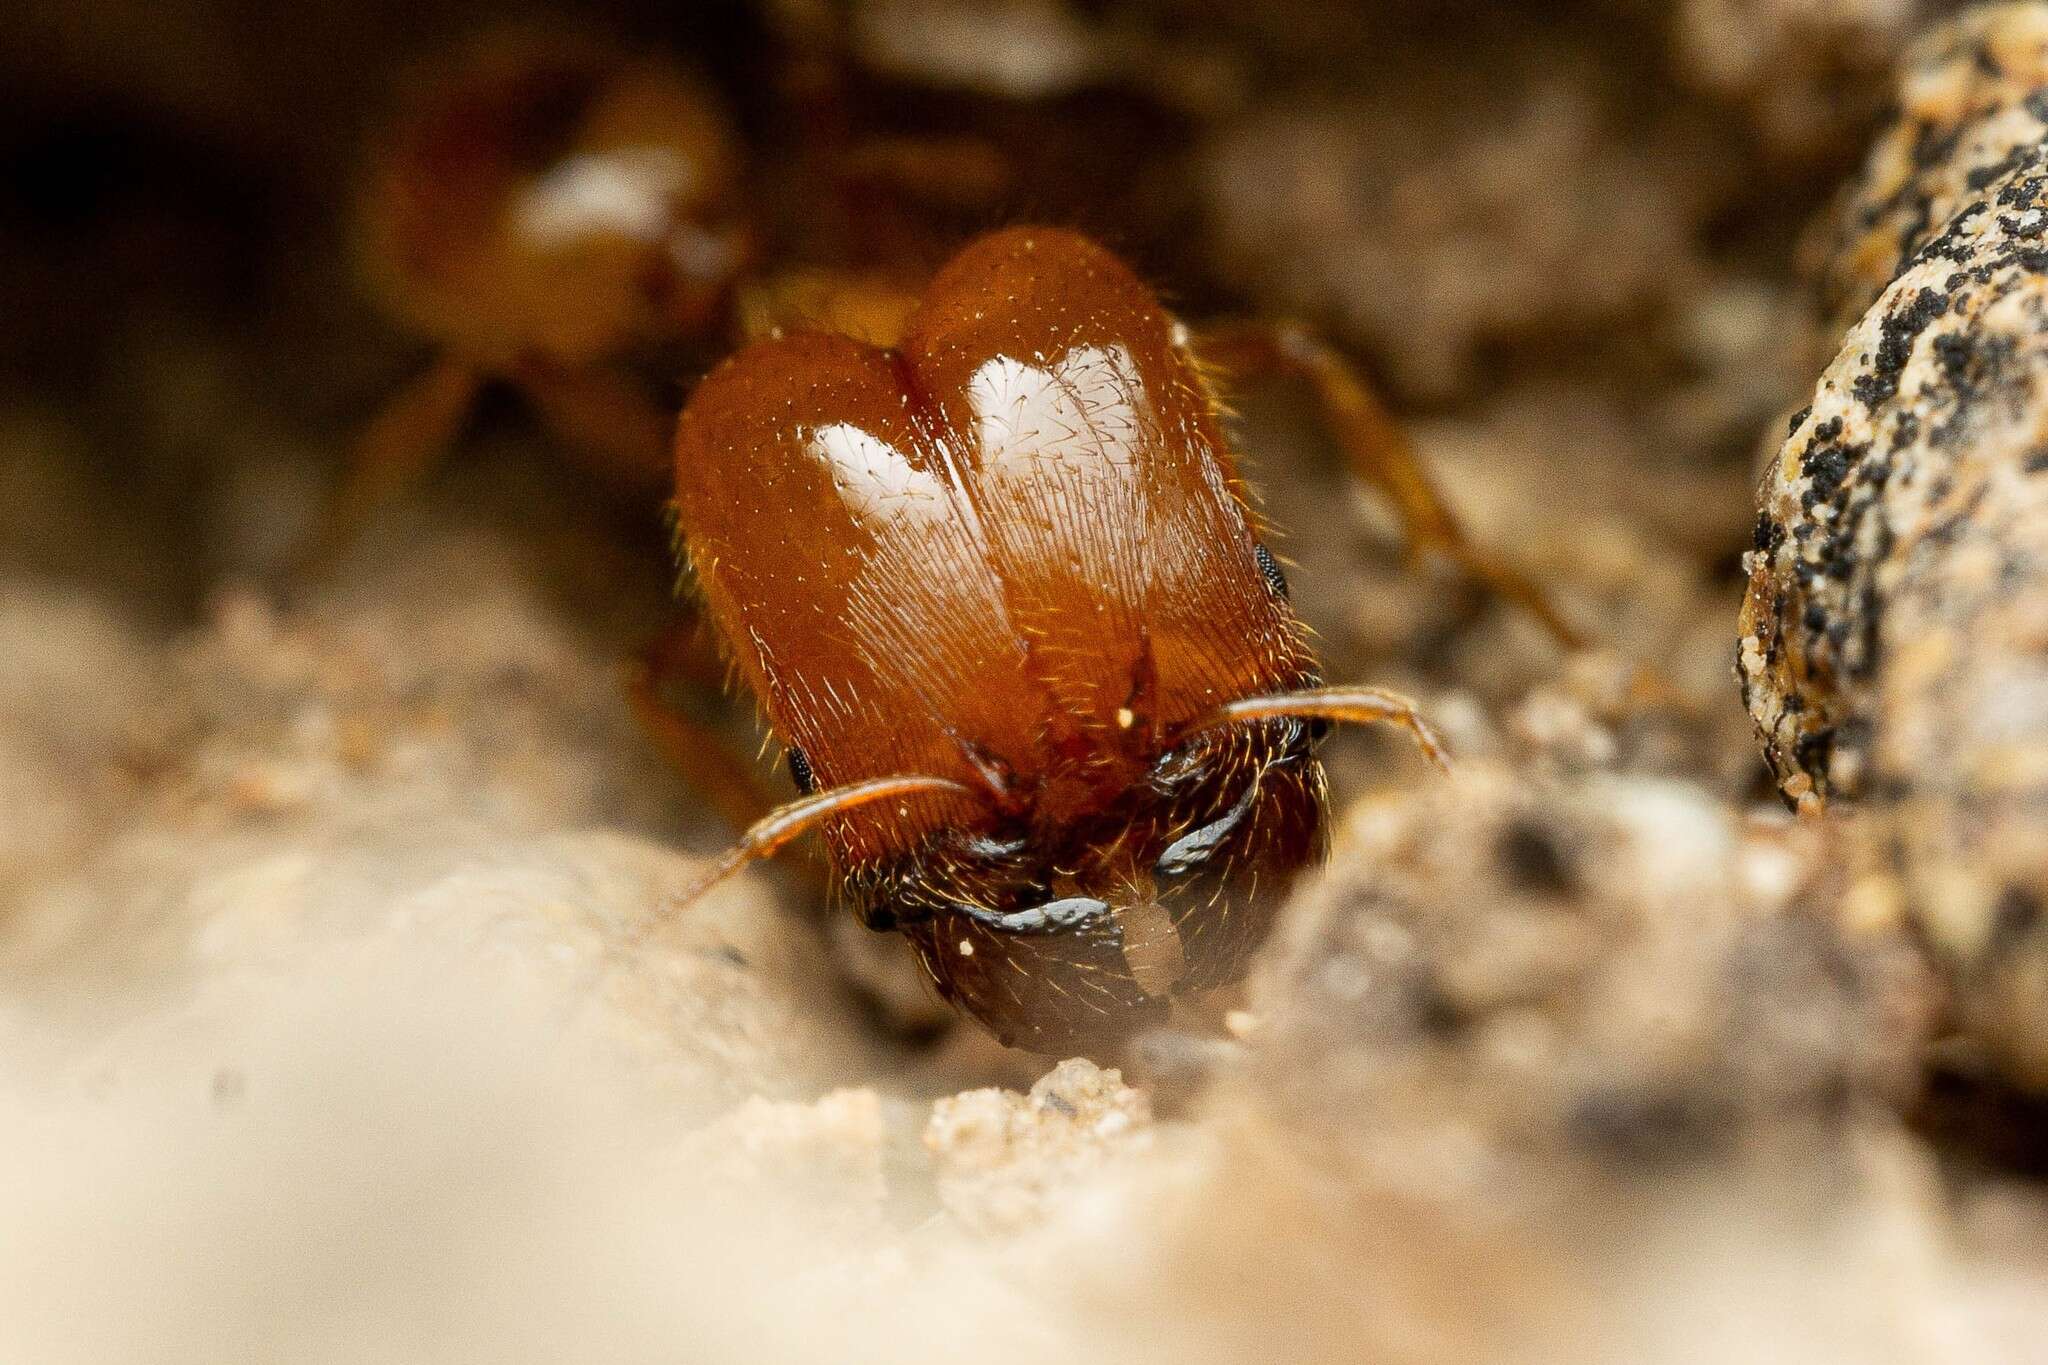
x=1002, y=596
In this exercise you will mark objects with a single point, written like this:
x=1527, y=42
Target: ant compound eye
x=800, y=771
x=1269, y=569
x=1177, y=767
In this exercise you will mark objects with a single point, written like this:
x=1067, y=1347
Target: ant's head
x=1069, y=937
x=1057, y=935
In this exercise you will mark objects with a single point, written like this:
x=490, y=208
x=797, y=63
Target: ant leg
x=1378, y=451
x=682, y=655
x=622, y=434
x=394, y=452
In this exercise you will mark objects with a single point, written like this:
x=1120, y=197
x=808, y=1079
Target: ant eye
x=991, y=847
x=1200, y=844
x=1269, y=569
x=800, y=771
x=1177, y=766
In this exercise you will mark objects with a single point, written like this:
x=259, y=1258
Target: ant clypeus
x=982, y=555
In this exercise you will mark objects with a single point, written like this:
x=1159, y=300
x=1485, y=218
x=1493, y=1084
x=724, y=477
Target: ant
x=1004, y=600
x=544, y=206
x=981, y=554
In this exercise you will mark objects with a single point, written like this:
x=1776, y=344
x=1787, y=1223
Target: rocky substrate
x=1892, y=652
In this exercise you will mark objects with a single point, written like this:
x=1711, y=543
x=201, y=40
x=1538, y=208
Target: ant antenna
x=1352, y=705
x=768, y=835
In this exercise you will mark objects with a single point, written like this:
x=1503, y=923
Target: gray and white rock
x=1893, y=650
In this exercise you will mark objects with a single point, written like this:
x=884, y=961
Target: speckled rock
x=1613, y=972
x=1967, y=106
x=1894, y=640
